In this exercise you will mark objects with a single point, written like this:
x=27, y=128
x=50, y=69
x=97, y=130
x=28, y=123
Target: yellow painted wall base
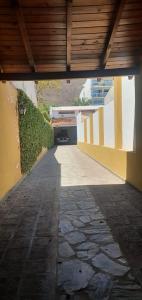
x=134, y=169
x=10, y=170
x=113, y=159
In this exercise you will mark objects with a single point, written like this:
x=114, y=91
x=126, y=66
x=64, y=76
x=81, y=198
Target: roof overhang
x=58, y=39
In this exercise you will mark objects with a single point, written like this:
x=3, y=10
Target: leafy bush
x=81, y=102
x=45, y=110
x=34, y=130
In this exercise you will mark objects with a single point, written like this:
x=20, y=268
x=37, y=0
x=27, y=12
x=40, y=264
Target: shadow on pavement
x=92, y=217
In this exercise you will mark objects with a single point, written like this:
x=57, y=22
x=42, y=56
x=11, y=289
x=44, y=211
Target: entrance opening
x=65, y=135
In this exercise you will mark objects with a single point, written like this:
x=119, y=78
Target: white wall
x=78, y=122
x=55, y=114
x=109, y=134
x=29, y=88
x=96, y=128
x=128, y=113
x=110, y=96
x=88, y=130
x=86, y=90
x=80, y=128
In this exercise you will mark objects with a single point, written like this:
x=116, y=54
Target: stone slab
x=74, y=275
x=112, y=250
x=87, y=246
x=65, y=226
x=101, y=285
x=65, y=250
x=85, y=219
x=102, y=262
x=75, y=237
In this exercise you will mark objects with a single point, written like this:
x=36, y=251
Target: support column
x=85, y=130
x=134, y=159
x=118, y=112
x=138, y=113
x=101, y=126
x=91, y=128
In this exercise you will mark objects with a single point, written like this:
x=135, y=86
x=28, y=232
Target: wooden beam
x=119, y=9
x=1, y=69
x=70, y=74
x=24, y=33
x=69, y=32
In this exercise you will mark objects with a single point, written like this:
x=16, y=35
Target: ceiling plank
x=69, y=32
x=24, y=33
x=113, y=30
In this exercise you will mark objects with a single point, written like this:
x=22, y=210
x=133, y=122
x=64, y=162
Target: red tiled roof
x=64, y=122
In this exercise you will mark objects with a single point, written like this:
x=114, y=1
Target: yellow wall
x=134, y=159
x=127, y=165
x=10, y=171
x=113, y=159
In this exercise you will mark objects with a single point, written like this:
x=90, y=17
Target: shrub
x=45, y=110
x=34, y=130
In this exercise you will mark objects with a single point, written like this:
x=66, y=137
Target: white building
x=29, y=87
x=86, y=90
x=95, y=89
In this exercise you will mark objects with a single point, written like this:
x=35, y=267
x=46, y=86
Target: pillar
x=91, y=128
x=134, y=159
x=101, y=126
x=85, y=130
x=118, y=112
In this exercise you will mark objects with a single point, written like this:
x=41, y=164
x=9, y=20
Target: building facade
x=99, y=88
x=96, y=89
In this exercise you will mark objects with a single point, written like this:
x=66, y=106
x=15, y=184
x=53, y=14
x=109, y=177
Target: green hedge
x=34, y=130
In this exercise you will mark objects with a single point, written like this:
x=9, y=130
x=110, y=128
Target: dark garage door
x=70, y=131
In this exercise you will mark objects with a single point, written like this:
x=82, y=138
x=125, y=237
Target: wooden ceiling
x=65, y=37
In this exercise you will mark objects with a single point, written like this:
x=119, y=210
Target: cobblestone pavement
x=28, y=235
x=99, y=240
x=91, y=263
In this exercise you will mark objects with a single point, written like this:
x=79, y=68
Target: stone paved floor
x=100, y=233
x=91, y=264
x=28, y=235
